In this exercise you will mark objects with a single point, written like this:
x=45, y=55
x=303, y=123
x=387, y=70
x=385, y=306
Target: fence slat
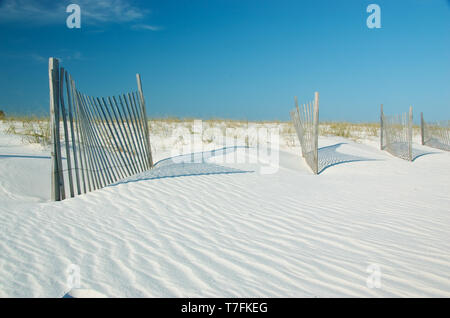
x=106, y=164
x=143, y=120
x=133, y=133
x=92, y=155
x=115, y=136
x=126, y=137
x=118, y=166
x=381, y=128
x=136, y=128
x=66, y=131
x=99, y=162
x=86, y=151
x=306, y=122
x=144, y=116
x=54, y=108
x=396, y=135
x=422, y=137
x=82, y=154
x=60, y=193
x=138, y=123
x=122, y=139
x=410, y=122
x=106, y=139
x=129, y=134
x=316, y=132
x=140, y=114
x=436, y=134
x=72, y=134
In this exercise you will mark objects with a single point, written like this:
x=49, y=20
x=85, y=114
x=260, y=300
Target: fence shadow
x=416, y=153
x=435, y=143
x=329, y=157
x=26, y=157
x=193, y=164
x=198, y=157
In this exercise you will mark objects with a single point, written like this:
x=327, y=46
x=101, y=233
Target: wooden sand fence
x=96, y=141
x=436, y=134
x=306, y=123
x=396, y=134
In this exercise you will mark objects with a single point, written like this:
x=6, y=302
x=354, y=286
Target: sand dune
x=218, y=229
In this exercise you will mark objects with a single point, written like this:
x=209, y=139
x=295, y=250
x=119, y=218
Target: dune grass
x=349, y=130
x=36, y=129
x=32, y=129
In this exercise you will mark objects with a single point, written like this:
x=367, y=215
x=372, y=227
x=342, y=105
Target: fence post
x=147, y=134
x=410, y=122
x=316, y=132
x=66, y=130
x=53, y=75
x=422, y=128
x=381, y=128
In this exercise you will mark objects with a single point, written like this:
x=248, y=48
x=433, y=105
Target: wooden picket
x=106, y=139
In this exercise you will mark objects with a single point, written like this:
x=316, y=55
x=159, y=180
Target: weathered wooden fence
x=96, y=141
x=396, y=134
x=436, y=134
x=306, y=123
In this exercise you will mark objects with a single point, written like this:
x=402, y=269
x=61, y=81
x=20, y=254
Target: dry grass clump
x=174, y=130
x=353, y=131
x=335, y=129
x=212, y=128
x=37, y=133
x=32, y=129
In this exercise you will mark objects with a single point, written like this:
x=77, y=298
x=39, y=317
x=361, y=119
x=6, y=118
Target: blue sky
x=241, y=59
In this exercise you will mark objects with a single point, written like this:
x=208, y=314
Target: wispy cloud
x=51, y=12
x=67, y=55
x=146, y=27
x=29, y=11
x=62, y=55
x=111, y=11
x=38, y=58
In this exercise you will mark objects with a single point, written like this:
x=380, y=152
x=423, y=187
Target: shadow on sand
x=438, y=144
x=329, y=157
x=420, y=153
x=401, y=150
x=193, y=164
x=26, y=157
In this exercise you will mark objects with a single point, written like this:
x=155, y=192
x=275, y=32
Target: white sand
x=216, y=229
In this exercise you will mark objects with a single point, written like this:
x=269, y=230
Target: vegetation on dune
x=32, y=129
x=353, y=131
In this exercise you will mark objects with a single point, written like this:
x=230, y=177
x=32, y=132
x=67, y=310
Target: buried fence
x=396, y=134
x=306, y=123
x=104, y=139
x=436, y=135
